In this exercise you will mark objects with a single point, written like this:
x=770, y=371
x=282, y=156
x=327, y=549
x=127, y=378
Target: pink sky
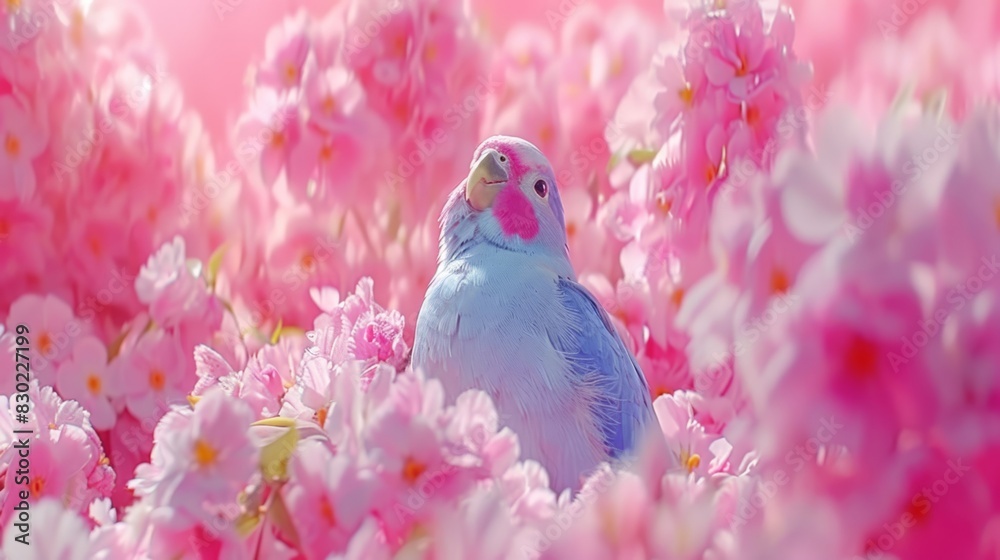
x=210, y=56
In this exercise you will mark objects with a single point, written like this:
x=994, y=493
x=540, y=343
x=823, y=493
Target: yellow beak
x=485, y=180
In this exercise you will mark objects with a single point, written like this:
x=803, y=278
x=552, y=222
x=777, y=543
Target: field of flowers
x=792, y=213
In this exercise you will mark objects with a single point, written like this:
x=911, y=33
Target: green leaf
x=277, y=332
x=279, y=515
x=274, y=456
x=214, y=264
x=641, y=156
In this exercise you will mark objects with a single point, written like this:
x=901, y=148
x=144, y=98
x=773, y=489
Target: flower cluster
x=796, y=234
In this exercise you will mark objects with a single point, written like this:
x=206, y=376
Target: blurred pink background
x=210, y=56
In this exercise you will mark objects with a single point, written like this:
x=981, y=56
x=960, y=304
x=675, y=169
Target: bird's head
x=509, y=199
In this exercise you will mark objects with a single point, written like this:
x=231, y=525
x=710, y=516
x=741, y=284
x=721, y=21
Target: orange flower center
x=546, y=134
x=677, y=297
x=291, y=73
x=742, y=69
x=686, y=94
x=430, y=53
x=664, y=204
x=94, y=383
x=711, y=173
x=36, y=486
x=570, y=229
x=204, y=454
x=278, y=140
x=157, y=380
x=94, y=243
x=326, y=512
x=13, y=5
x=45, y=343
x=412, y=469
x=779, y=281
x=307, y=262
x=662, y=390
x=329, y=104
x=321, y=416
x=861, y=358
x=12, y=145
x=399, y=45
x=753, y=115
x=693, y=462
x=326, y=152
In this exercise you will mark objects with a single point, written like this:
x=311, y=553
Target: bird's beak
x=485, y=180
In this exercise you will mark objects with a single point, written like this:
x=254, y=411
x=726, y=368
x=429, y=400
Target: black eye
x=503, y=158
x=541, y=188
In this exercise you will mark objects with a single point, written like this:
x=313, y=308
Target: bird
x=505, y=314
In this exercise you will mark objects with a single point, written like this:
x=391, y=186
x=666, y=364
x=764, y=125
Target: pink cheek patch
x=514, y=212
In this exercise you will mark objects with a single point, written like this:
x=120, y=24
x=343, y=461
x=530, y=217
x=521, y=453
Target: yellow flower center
x=686, y=94
x=204, y=454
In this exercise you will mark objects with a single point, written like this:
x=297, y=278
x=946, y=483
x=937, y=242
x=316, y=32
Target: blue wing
x=597, y=354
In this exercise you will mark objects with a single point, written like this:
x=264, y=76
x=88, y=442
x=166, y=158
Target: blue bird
x=504, y=313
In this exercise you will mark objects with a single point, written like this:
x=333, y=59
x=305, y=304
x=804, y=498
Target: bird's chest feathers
x=496, y=319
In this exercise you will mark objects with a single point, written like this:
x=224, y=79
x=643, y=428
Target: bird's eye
x=503, y=158
x=541, y=189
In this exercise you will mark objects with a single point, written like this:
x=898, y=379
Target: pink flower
x=153, y=375
x=379, y=338
x=21, y=141
x=87, y=379
x=65, y=536
x=330, y=495
x=56, y=469
x=168, y=286
x=286, y=48
x=205, y=458
x=51, y=329
x=271, y=131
